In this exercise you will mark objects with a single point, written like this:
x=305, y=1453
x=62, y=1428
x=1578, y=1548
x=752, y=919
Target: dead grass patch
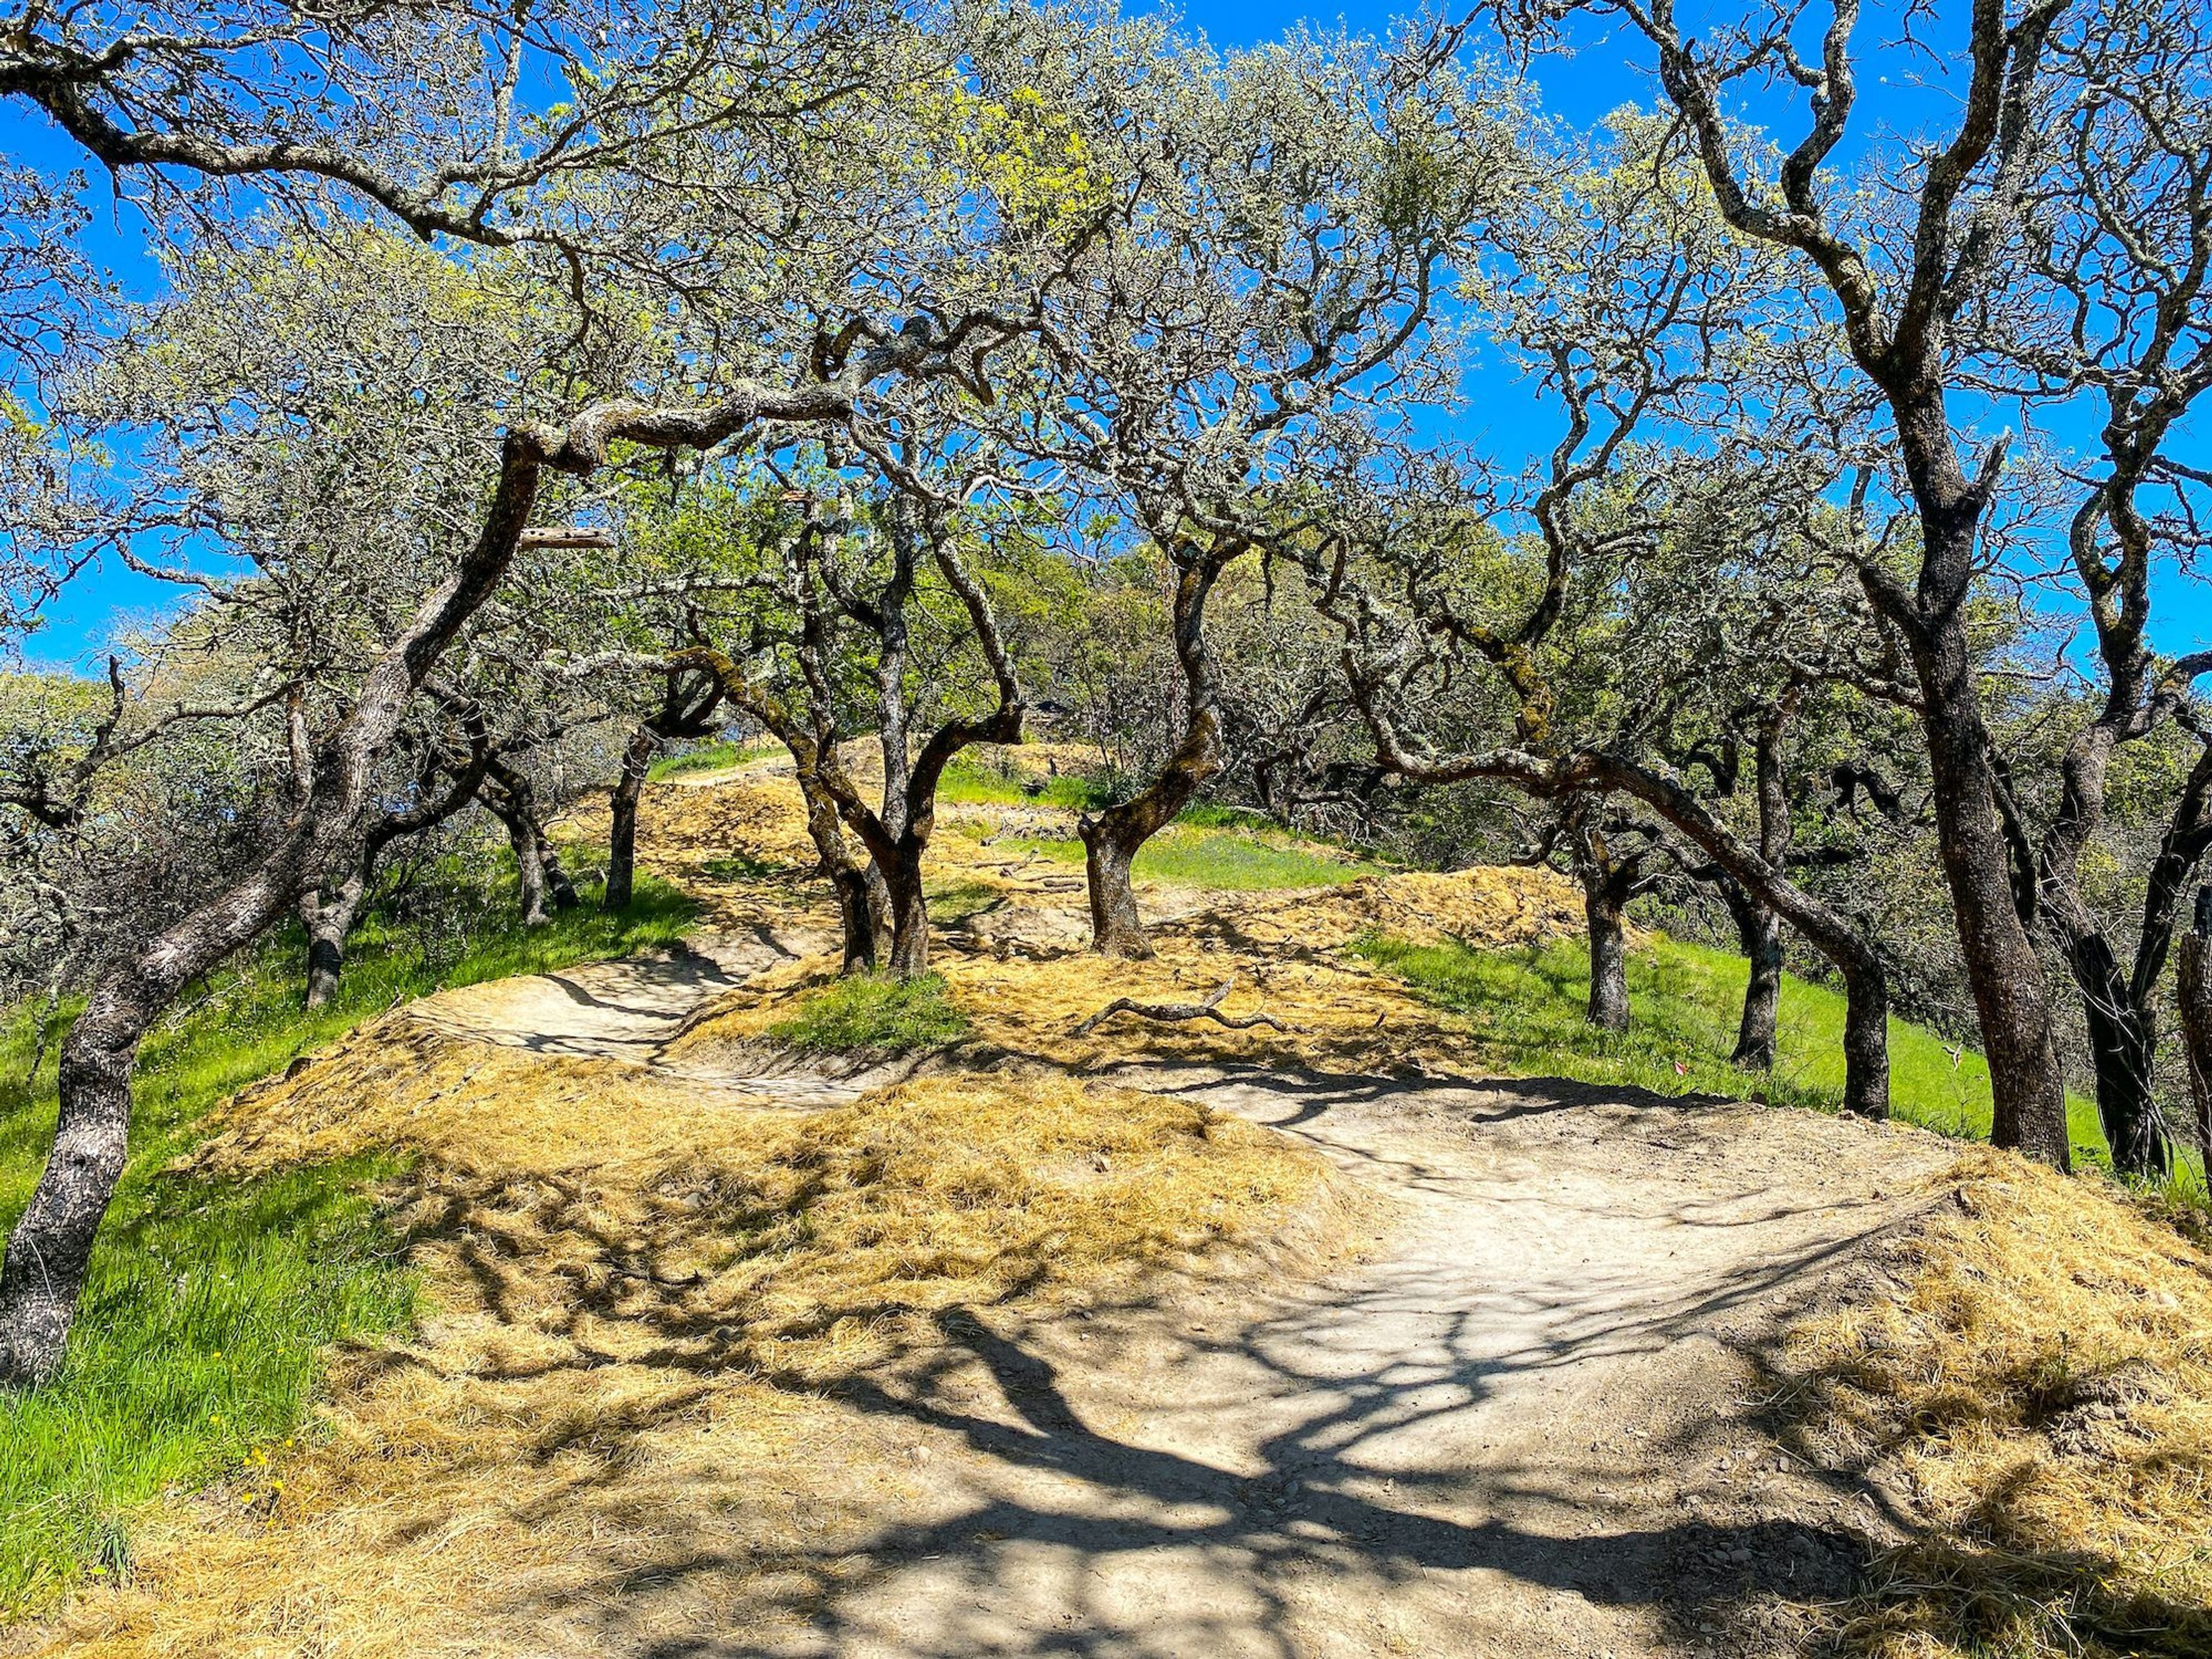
x=1024, y=997
x=2041, y=1390
x=627, y=1419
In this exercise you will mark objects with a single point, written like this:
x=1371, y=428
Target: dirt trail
x=1516, y=1425
x=1518, y=1429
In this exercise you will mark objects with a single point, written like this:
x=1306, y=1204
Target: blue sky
x=1901, y=93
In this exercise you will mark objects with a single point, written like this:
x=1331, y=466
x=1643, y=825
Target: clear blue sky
x=1900, y=94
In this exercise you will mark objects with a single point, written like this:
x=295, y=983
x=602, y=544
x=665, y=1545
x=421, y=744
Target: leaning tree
x=807, y=285
x=1290, y=218
x=1927, y=280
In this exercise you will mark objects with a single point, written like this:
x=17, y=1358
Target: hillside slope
x=1158, y=1339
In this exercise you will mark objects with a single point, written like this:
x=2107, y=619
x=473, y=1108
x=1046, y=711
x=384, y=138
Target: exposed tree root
x=1170, y=1011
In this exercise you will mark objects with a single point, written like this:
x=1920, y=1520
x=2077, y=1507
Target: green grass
x=968, y=782
x=871, y=1012
x=208, y=1303
x=1525, y=1010
x=709, y=758
x=1192, y=856
x=1239, y=858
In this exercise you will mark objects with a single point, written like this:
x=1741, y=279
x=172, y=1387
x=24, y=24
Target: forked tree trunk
x=622, y=819
x=863, y=904
x=1112, y=840
x=1608, y=881
x=910, y=952
x=2011, y=1003
x=514, y=804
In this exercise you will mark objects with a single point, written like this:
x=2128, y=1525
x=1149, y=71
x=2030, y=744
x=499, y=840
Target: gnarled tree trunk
x=686, y=711
x=1112, y=840
x=1609, y=957
x=514, y=803
x=1609, y=879
x=1758, y=930
x=2010, y=1002
x=1756, y=924
x=329, y=918
x=559, y=889
x=909, y=914
x=621, y=819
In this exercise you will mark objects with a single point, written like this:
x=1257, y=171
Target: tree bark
x=2193, y=992
x=1112, y=840
x=909, y=952
x=2002, y=970
x=329, y=918
x=1760, y=931
x=622, y=803
x=559, y=889
x=864, y=913
x=1109, y=851
x=329, y=914
x=1608, y=957
x=536, y=867
x=686, y=711
x=529, y=868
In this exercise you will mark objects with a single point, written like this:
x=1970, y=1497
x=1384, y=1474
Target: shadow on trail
x=1054, y=1523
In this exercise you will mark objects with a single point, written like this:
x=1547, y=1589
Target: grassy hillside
x=208, y=1301
x=1525, y=1010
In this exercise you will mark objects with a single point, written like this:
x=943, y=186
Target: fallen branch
x=1171, y=1011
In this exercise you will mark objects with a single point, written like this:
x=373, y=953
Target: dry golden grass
x=2041, y=1389
x=617, y=1413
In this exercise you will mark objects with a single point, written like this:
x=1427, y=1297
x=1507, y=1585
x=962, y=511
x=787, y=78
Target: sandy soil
x=1520, y=1422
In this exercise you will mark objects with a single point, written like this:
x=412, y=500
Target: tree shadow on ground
x=1049, y=1520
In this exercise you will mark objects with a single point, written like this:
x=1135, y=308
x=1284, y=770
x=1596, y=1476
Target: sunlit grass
x=874, y=1012
x=711, y=757
x=1196, y=856
x=208, y=1301
x=1524, y=1009
x=970, y=782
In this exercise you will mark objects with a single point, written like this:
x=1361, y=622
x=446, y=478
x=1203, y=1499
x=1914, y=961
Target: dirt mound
x=2031, y=1370
x=1493, y=908
x=1026, y=991
x=617, y=1269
